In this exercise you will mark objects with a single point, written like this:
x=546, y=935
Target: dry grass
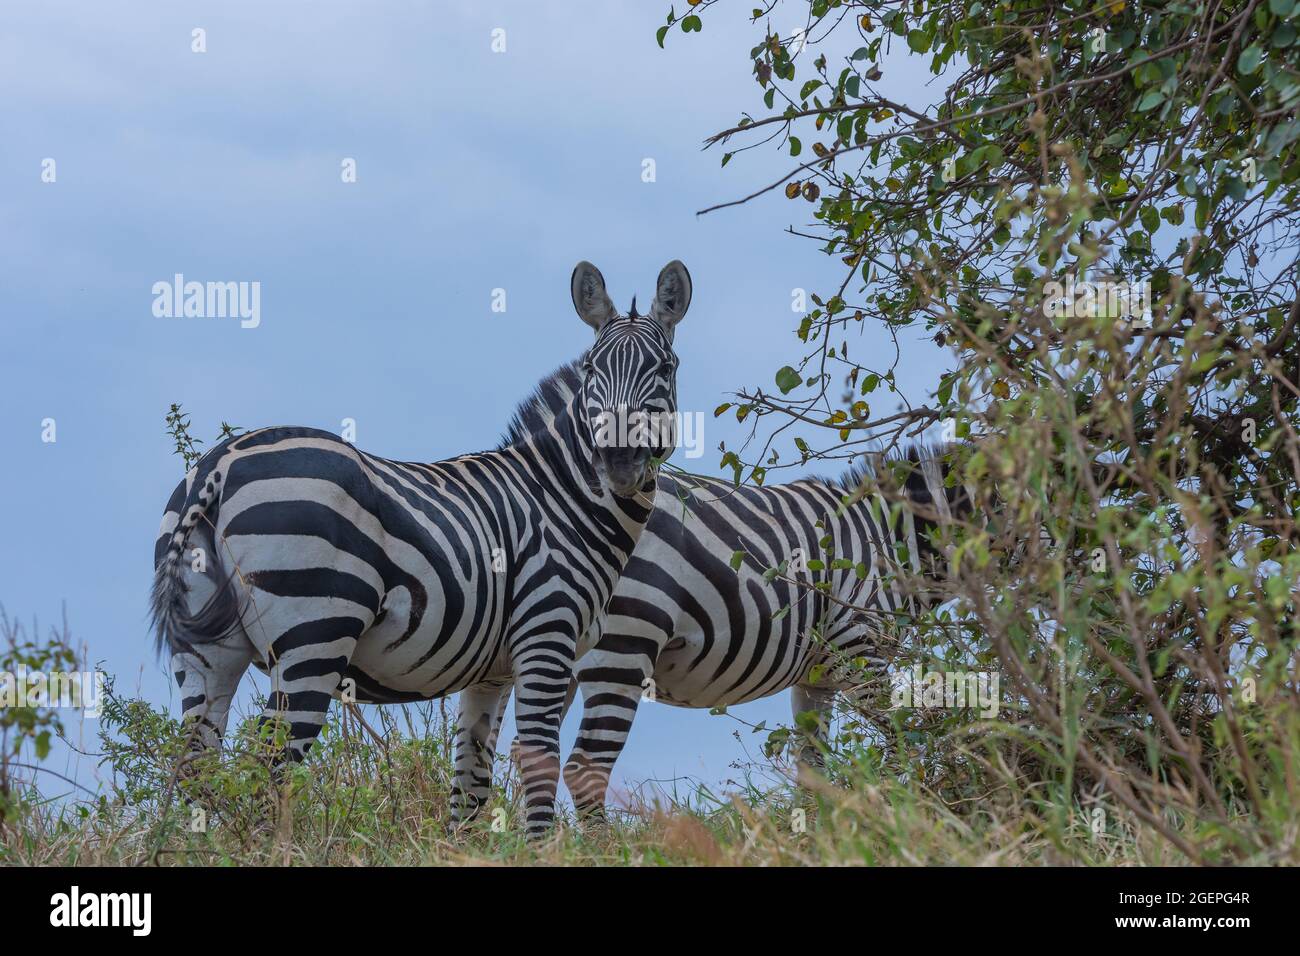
x=367, y=799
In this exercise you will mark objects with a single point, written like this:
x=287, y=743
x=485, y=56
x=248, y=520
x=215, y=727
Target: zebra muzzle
x=626, y=469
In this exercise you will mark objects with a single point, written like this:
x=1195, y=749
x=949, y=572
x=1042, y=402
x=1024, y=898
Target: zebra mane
x=865, y=466
x=548, y=399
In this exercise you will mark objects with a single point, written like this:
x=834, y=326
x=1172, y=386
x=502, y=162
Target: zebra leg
x=614, y=678
x=497, y=720
x=207, y=671
x=541, y=685
x=865, y=687
x=308, y=662
x=815, y=700
x=479, y=722
x=569, y=696
x=208, y=676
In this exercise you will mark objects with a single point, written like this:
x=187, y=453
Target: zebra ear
x=672, y=295
x=589, y=295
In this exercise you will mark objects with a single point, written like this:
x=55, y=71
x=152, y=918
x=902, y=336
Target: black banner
x=148, y=905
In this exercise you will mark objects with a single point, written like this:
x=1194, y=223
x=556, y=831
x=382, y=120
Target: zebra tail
x=175, y=627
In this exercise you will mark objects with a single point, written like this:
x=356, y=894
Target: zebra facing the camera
x=324, y=564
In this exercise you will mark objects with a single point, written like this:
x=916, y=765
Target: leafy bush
x=27, y=728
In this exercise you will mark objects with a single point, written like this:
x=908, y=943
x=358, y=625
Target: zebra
x=342, y=574
x=687, y=627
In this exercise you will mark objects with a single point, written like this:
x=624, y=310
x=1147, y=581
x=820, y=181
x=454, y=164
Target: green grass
x=381, y=797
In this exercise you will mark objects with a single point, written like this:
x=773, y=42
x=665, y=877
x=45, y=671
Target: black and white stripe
x=685, y=627
x=338, y=571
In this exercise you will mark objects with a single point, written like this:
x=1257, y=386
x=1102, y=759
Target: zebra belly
x=685, y=676
x=439, y=657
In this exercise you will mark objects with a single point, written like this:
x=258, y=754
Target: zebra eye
x=667, y=368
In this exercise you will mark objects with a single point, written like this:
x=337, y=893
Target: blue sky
x=475, y=171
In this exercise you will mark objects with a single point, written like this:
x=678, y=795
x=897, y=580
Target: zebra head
x=629, y=376
x=936, y=501
x=920, y=477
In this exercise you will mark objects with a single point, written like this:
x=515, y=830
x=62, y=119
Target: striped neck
x=579, y=443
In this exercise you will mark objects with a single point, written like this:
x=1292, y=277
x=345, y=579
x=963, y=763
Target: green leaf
x=918, y=40
x=737, y=558
x=1151, y=100
x=945, y=389
x=1250, y=59
x=807, y=721
x=692, y=23
x=660, y=34
x=787, y=380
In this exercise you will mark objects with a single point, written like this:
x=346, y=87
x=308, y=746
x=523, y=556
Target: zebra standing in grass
x=686, y=626
x=335, y=570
